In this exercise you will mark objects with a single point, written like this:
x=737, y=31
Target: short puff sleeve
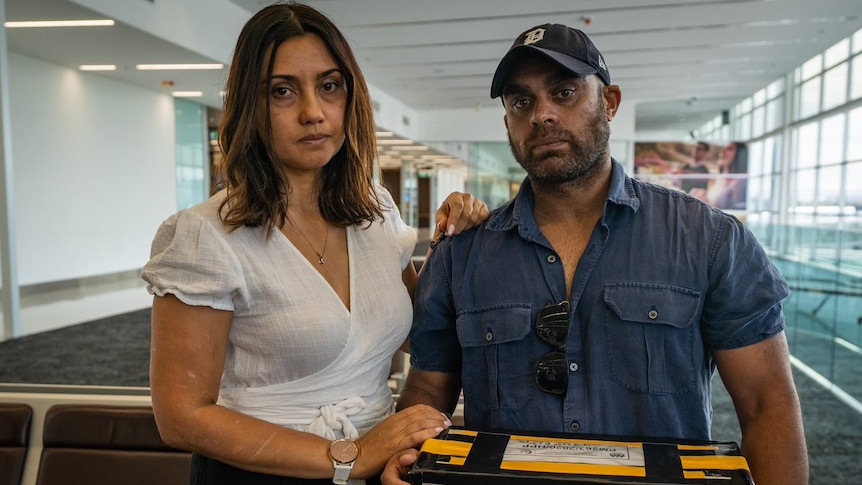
x=190, y=258
x=405, y=236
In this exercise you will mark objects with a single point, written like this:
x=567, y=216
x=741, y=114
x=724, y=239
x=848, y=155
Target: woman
x=727, y=190
x=280, y=301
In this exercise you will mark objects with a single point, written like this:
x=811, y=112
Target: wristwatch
x=343, y=454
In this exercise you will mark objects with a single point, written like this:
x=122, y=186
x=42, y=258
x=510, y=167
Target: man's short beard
x=576, y=162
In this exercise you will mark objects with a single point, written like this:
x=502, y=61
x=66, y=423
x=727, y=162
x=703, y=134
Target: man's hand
x=395, y=472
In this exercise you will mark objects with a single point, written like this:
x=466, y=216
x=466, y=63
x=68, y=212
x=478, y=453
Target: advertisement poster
x=716, y=173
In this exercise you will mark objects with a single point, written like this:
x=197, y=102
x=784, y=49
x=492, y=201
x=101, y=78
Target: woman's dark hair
x=740, y=160
x=255, y=184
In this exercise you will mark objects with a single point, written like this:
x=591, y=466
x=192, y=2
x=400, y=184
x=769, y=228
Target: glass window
x=743, y=131
x=755, y=159
x=809, y=98
x=771, y=153
x=857, y=42
x=757, y=121
x=825, y=248
x=775, y=88
x=832, y=140
x=806, y=146
x=754, y=195
x=853, y=185
x=836, y=53
x=191, y=153
x=715, y=123
x=829, y=190
x=754, y=202
x=835, y=87
x=812, y=67
x=803, y=194
x=856, y=78
x=768, y=202
x=854, y=143
x=745, y=105
x=759, y=97
x=774, y=114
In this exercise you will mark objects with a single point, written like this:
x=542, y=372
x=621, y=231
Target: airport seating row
x=96, y=435
x=88, y=444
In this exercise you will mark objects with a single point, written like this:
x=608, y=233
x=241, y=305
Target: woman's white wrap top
x=296, y=356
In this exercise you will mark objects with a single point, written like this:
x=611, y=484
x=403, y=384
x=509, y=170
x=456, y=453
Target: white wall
x=93, y=163
x=471, y=125
x=393, y=115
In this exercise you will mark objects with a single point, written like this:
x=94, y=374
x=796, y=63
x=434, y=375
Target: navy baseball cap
x=568, y=47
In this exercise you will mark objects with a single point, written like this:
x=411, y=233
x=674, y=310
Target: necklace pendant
x=320, y=259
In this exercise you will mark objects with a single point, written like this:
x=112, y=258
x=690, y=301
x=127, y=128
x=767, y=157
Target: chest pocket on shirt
x=497, y=355
x=652, y=337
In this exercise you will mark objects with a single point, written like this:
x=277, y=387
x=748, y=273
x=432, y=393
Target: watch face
x=343, y=451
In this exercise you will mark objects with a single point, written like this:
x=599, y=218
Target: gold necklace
x=325, y=240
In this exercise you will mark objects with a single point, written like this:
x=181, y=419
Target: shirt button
x=573, y=367
x=489, y=336
x=575, y=426
x=552, y=259
x=653, y=314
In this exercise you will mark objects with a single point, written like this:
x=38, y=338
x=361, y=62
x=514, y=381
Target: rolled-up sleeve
x=746, y=290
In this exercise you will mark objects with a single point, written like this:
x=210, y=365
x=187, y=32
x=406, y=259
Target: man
x=593, y=303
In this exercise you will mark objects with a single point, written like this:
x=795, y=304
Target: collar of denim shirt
x=518, y=212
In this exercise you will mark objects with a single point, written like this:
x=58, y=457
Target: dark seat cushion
x=71, y=466
x=102, y=427
x=15, y=422
x=103, y=444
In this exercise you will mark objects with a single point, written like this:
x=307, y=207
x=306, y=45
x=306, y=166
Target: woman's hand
x=403, y=430
x=460, y=211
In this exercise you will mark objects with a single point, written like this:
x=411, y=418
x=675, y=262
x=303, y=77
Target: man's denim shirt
x=663, y=280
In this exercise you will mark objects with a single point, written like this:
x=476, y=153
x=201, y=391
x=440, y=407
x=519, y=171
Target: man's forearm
x=775, y=450
x=438, y=390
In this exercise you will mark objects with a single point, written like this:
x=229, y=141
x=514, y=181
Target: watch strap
x=342, y=472
x=343, y=453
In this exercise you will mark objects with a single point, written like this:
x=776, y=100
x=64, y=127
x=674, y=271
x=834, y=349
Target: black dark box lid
x=462, y=456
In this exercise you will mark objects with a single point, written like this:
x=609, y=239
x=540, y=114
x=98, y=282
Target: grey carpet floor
x=114, y=351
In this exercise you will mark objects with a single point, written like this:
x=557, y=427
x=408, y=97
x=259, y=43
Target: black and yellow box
x=465, y=457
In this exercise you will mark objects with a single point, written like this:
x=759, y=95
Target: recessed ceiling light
x=187, y=94
x=394, y=142
x=176, y=67
x=58, y=23
x=98, y=67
